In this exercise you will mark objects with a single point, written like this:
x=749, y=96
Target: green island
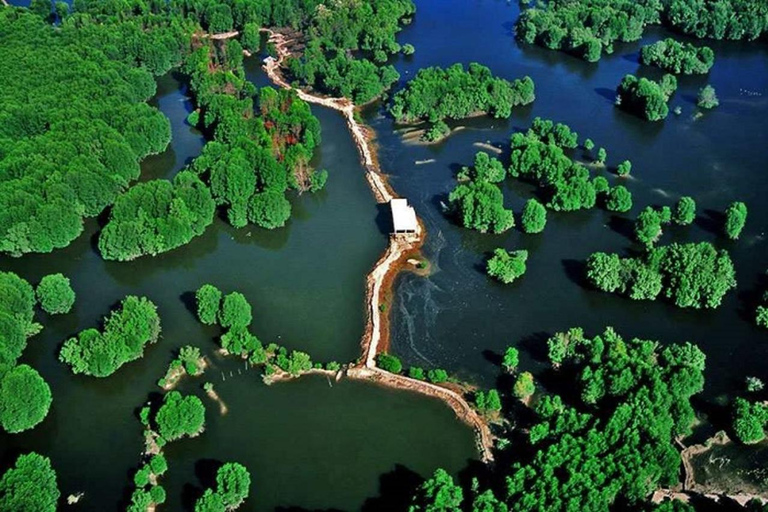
x=236, y=215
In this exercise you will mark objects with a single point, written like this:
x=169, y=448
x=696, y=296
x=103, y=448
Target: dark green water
x=305, y=443
x=458, y=317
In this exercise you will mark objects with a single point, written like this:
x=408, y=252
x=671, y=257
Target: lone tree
x=235, y=311
x=534, y=217
x=180, y=416
x=524, y=386
x=735, y=218
x=389, y=363
x=25, y=399
x=707, y=98
x=507, y=266
x=685, y=211
x=55, y=294
x=624, y=168
x=619, y=199
x=233, y=483
x=511, y=359
x=208, y=299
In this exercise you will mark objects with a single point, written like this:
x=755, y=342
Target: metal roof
x=403, y=216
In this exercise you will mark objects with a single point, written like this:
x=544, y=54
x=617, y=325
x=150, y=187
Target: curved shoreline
x=385, y=268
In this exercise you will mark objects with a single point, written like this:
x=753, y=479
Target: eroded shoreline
x=385, y=269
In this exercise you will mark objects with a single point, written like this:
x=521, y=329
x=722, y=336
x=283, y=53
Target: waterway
x=313, y=446
x=461, y=320
x=307, y=444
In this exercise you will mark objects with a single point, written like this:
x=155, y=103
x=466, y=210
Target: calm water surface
x=458, y=318
x=307, y=444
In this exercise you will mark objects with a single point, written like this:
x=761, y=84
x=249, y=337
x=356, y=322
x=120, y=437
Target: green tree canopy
x=208, y=299
x=735, y=219
x=534, y=217
x=507, y=266
x=126, y=332
x=55, y=294
x=25, y=399
x=180, y=416
x=29, y=486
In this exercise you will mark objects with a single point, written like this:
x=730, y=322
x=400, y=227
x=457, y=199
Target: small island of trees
x=126, y=332
x=646, y=98
x=676, y=57
x=694, y=275
x=436, y=94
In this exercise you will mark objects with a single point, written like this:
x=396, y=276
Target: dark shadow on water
x=493, y=357
x=535, y=345
x=711, y=221
x=623, y=226
x=632, y=57
x=205, y=470
x=188, y=299
x=575, y=270
x=395, y=490
x=189, y=495
x=689, y=98
x=753, y=297
x=384, y=218
x=608, y=94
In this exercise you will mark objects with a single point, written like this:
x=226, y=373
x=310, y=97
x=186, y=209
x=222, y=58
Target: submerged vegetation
x=694, y=275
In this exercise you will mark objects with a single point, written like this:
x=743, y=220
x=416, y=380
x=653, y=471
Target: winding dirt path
x=388, y=265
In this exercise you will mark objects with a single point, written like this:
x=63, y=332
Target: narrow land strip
x=399, y=247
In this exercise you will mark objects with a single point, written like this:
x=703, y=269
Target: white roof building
x=403, y=216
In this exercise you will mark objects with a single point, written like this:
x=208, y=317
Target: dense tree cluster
x=609, y=440
x=648, y=225
x=148, y=491
x=685, y=211
x=180, y=416
x=25, y=397
x=234, y=314
x=689, y=275
x=233, y=484
x=677, y=57
x=538, y=156
x=253, y=159
x=348, y=45
x=587, y=28
x=127, y=330
x=29, y=485
x=157, y=216
x=646, y=98
x=55, y=294
x=436, y=94
x=719, y=19
x=72, y=134
x=506, y=266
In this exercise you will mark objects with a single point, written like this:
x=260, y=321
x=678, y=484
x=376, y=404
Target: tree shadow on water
x=575, y=270
x=711, y=221
x=395, y=490
x=608, y=94
x=623, y=226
